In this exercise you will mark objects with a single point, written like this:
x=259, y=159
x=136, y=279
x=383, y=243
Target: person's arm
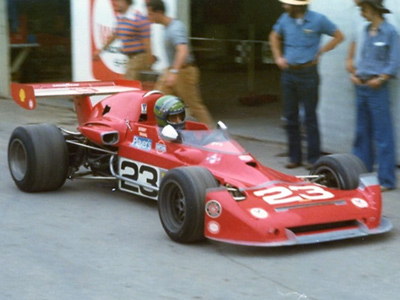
x=337, y=38
x=350, y=67
x=181, y=54
x=146, y=39
x=151, y=59
x=275, y=43
x=96, y=54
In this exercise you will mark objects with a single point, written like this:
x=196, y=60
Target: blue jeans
x=301, y=87
x=374, y=133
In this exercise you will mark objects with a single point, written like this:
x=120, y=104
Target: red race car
x=206, y=184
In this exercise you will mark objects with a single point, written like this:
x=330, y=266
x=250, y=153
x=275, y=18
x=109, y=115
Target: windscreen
x=211, y=140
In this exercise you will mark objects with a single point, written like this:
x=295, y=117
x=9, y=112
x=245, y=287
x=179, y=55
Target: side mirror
x=169, y=133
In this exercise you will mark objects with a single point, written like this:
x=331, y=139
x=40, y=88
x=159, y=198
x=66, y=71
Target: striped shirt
x=132, y=29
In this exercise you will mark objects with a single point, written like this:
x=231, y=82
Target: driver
x=170, y=110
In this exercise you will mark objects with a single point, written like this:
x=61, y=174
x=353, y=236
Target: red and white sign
x=92, y=22
x=112, y=62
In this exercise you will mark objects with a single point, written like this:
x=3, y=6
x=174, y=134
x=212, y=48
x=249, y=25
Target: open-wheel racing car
x=206, y=184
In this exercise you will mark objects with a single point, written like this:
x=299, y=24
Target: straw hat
x=296, y=2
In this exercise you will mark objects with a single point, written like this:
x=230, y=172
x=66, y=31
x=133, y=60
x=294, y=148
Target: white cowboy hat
x=296, y=2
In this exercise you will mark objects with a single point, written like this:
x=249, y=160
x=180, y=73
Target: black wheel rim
x=328, y=178
x=175, y=205
x=18, y=160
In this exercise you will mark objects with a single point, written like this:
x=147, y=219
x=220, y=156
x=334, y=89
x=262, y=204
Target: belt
x=302, y=66
x=131, y=54
x=367, y=78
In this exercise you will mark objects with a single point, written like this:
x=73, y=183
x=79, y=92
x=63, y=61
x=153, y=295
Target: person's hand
x=96, y=54
x=151, y=59
x=171, y=80
x=354, y=79
x=350, y=66
x=374, y=83
x=281, y=62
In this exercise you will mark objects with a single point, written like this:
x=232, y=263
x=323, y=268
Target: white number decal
x=277, y=194
x=312, y=192
x=281, y=195
x=139, y=173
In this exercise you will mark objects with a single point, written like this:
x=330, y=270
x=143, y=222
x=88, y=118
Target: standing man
x=133, y=29
x=357, y=37
x=182, y=76
x=295, y=44
x=378, y=63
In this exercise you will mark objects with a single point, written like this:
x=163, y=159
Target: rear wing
x=25, y=94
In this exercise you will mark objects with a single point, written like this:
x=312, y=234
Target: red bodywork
x=272, y=209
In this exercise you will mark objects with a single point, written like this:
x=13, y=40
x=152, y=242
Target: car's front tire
x=340, y=171
x=181, y=202
x=38, y=158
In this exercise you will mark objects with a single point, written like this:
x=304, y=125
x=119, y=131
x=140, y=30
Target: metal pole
x=251, y=61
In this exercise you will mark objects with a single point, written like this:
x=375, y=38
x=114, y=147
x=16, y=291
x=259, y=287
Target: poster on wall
x=92, y=22
x=111, y=63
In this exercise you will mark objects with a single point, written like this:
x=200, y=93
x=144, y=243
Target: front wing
x=254, y=222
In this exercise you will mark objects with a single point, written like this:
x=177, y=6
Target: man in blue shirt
x=295, y=44
x=379, y=61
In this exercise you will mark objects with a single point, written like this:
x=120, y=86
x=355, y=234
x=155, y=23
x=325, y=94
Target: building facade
x=4, y=51
x=225, y=24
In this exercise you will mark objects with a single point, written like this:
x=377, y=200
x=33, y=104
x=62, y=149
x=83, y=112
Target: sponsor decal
x=142, y=143
x=161, y=147
x=142, y=131
x=213, y=227
x=213, y=209
x=144, y=108
x=361, y=203
x=245, y=158
x=86, y=90
x=213, y=159
x=259, y=213
x=22, y=95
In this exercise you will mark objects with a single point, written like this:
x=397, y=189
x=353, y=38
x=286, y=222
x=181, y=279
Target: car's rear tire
x=340, y=171
x=38, y=158
x=181, y=202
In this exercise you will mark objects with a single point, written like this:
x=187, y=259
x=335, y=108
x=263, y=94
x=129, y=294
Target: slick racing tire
x=340, y=171
x=38, y=158
x=181, y=202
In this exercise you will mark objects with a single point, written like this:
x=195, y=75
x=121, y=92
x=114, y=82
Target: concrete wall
x=337, y=108
x=4, y=51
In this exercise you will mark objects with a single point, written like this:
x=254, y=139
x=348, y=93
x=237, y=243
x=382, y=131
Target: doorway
x=230, y=43
x=40, y=40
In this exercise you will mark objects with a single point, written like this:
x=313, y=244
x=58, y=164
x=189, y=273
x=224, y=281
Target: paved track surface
x=89, y=242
